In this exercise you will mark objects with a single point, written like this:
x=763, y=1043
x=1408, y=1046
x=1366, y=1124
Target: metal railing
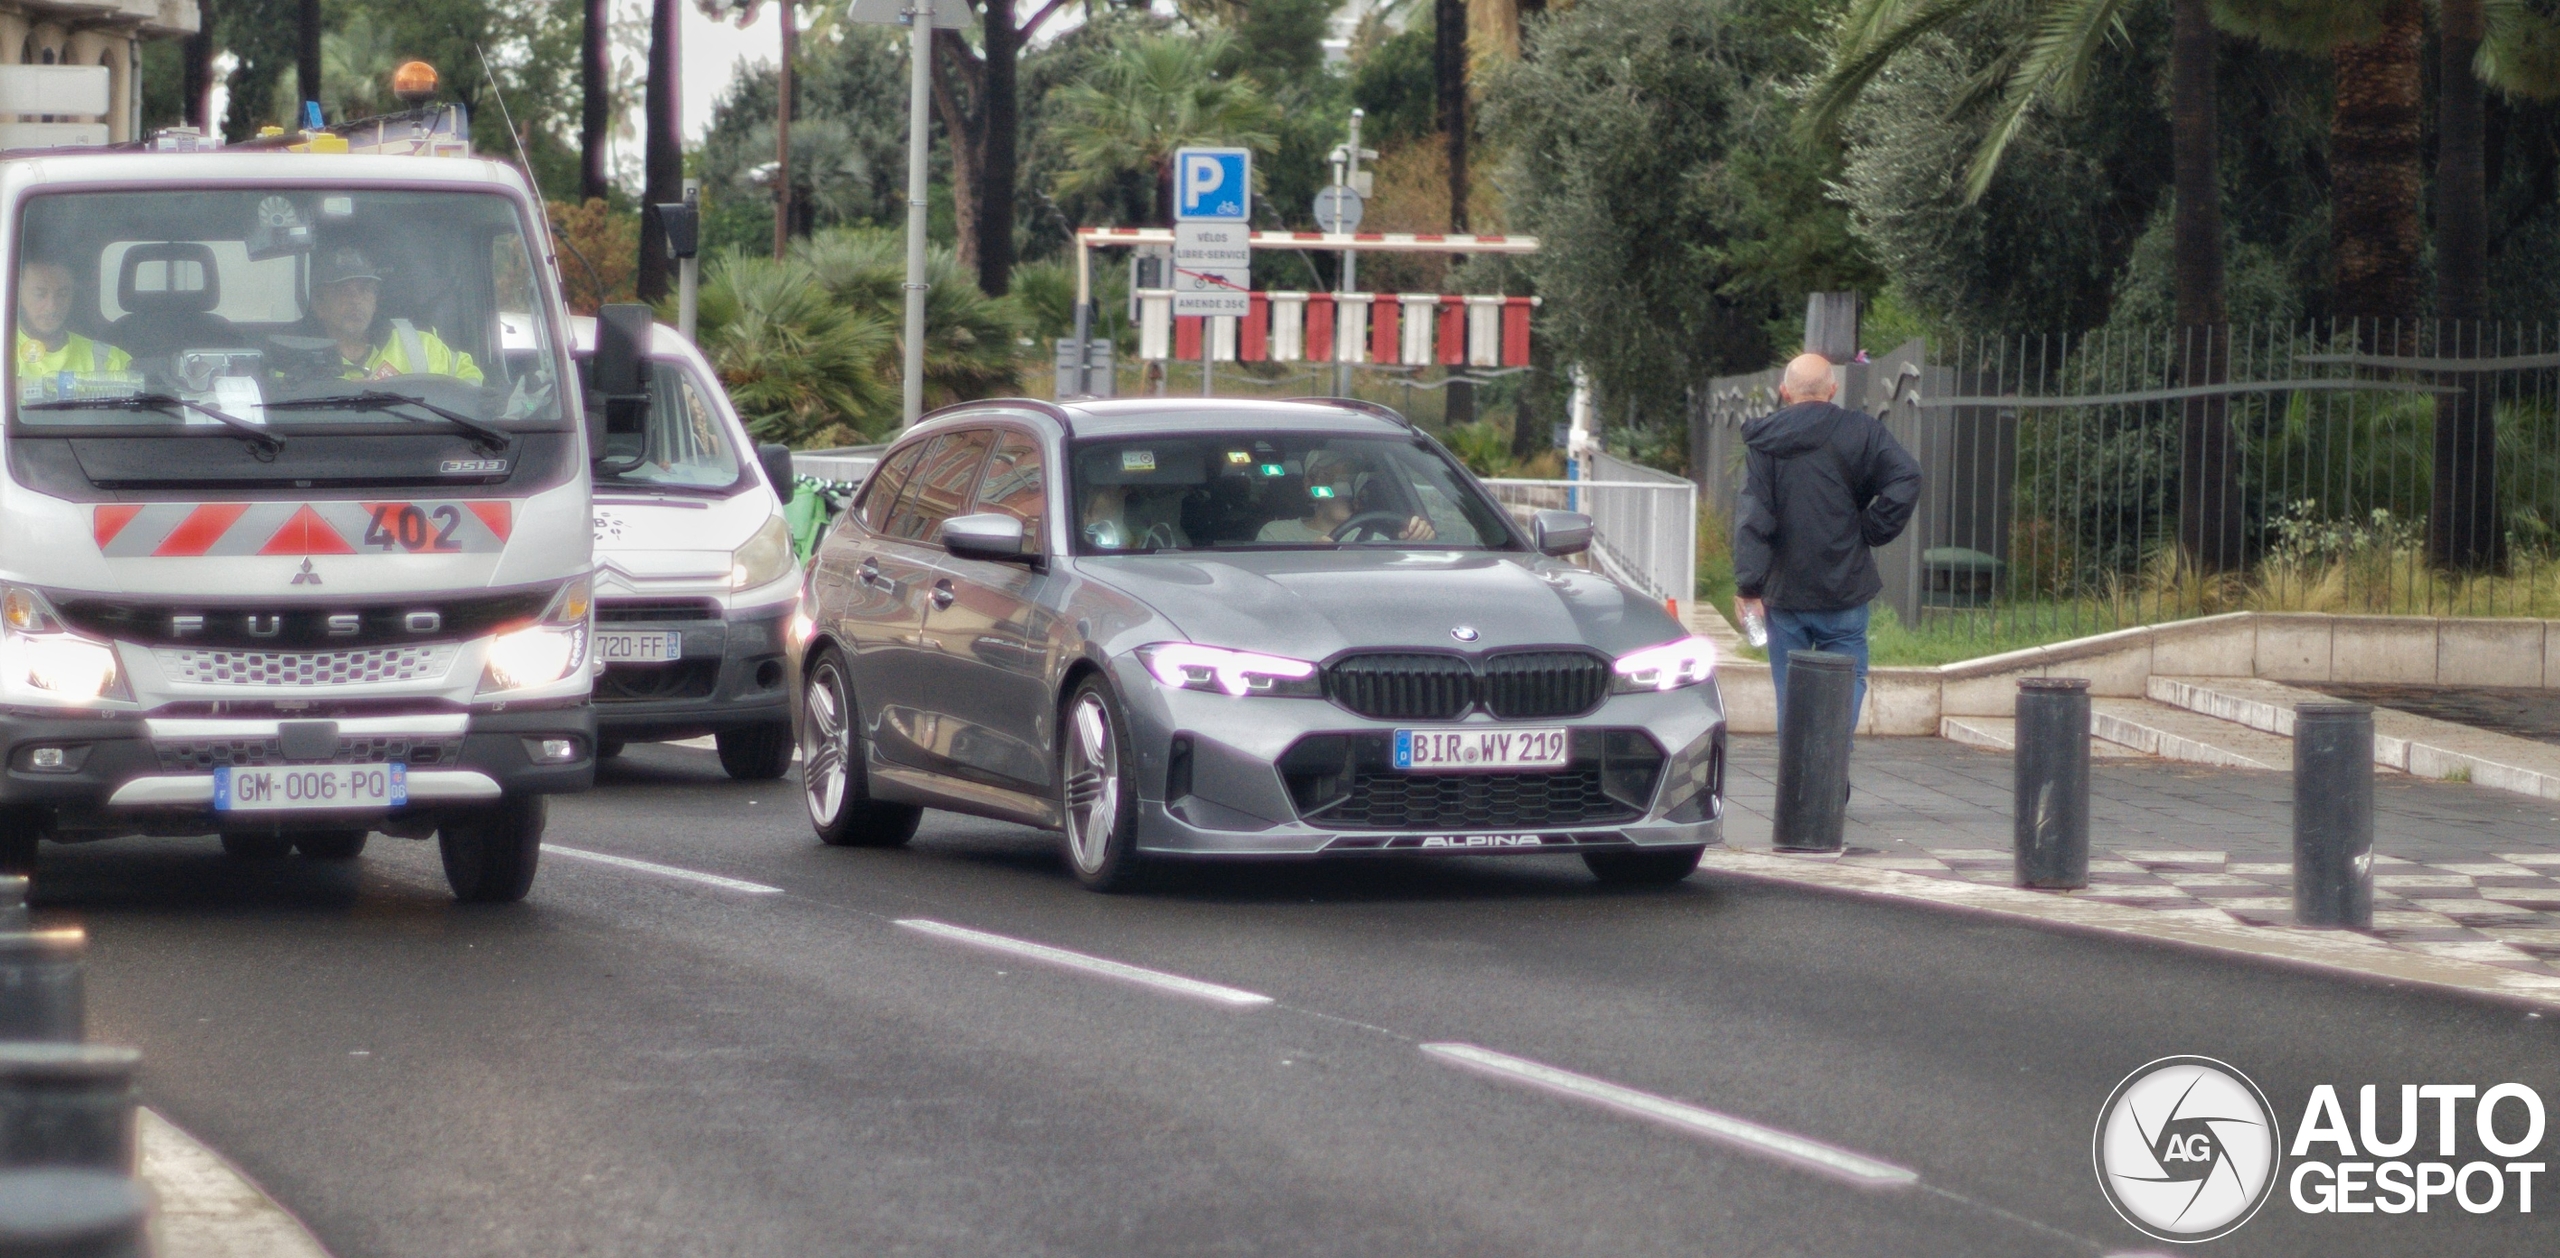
x=2083, y=483
x=1644, y=523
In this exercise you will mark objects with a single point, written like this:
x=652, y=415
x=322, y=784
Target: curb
x=205, y=1208
x=2325, y=951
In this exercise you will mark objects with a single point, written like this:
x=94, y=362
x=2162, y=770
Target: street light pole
x=689, y=268
x=1346, y=175
x=782, y=138
x=919, y=106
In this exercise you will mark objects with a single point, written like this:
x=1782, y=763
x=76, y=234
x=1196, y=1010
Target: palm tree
x=356, y=62
x=1151, y=95
x=802, y=367
x=969, y=337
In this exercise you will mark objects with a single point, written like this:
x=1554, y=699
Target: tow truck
x=272, y=572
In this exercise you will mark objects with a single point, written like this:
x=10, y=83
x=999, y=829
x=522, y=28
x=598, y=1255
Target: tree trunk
x=199, y=69
x=662, y=162
x=782, y=108
x=2209, y=519
x=999, y=113
x=2462, y=527
x=595, y=104
x=953, y=60
x=2376, y=182
x=1449, y=65
x=307, y=61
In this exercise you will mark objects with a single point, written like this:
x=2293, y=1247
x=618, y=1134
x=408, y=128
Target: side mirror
x=1560, y=533
x=618, y=387
x=776, y=458
x=986, y=535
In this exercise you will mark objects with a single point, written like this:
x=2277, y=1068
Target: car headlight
x=43, y=655
x=765, y=558
x=1669, y=666
x=548, y=649
x=1191, y=666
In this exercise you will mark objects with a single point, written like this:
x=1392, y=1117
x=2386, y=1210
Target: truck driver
x=47, y=347
x=346, y=292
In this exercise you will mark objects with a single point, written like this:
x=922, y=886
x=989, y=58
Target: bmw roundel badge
x=1464, y=633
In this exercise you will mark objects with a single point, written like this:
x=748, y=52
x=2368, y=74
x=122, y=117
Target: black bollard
x=72, y=1214
x=68, y=1105
x=2333, y=815
x=2052, y=767
x=40, y=989
x=1813, y=751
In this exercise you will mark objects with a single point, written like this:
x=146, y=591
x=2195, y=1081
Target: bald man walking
x=1823, y=486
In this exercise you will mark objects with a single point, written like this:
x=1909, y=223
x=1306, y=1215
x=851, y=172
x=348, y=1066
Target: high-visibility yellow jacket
x=78, y=355
x=411, y=351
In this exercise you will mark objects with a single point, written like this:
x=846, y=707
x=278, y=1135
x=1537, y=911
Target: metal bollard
x=2333, y=815
x=1813, y=752
x=2052, y=767
x=72, y=1214
x=68, y=1105
x=40, y=986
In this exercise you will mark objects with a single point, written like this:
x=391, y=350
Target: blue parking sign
x=1213, y=184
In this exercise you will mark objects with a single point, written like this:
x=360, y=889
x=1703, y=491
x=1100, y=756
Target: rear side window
x=881, y=492
x=1014, y=485
x=940, y=485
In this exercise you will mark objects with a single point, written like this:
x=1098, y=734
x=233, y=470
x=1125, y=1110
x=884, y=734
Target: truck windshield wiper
x=167, y=404
x=378, y=400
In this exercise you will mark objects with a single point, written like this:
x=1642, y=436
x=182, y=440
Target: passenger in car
x=1117, y=518
x=47, y=347
x=1333, y=484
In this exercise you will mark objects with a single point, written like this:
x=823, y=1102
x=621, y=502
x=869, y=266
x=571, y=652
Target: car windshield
x=278, y=308
x=683, y=445
x=1278, y=491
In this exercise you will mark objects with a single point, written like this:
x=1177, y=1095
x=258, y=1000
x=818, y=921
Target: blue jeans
x=1841, y=633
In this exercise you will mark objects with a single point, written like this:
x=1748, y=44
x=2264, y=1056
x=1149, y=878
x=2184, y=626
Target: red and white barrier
x=1398, y=329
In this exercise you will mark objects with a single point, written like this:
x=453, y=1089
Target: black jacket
x=1821, y=487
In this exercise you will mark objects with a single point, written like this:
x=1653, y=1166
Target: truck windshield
x=281, y=309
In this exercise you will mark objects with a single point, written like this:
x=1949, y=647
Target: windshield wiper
x=166, y=404
x=378, y=400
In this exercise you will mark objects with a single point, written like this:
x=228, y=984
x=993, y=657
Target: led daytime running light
x=1190, y=666
x=1670, y=666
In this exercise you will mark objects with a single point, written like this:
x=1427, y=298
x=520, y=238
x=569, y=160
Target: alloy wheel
x=826, y=744
x=1093, y=783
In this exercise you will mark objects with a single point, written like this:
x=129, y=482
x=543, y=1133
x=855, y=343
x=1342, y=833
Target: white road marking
x=1157, y=979
x=665, y=871
x=1812, y=1154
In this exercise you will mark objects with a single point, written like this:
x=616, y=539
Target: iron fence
x=2077, y=484
x=1643, y=523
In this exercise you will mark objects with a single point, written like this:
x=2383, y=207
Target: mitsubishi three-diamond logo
x=2186, y=1149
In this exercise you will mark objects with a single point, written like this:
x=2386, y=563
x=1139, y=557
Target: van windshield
x=283, y=309
x=683, y=447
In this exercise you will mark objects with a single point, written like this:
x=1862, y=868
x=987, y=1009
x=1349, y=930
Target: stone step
x=2000, y=733
x=2417, y=745
x=2174, y=733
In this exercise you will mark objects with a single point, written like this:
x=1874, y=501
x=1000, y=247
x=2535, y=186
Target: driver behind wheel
x=346, y=294
x=1333, y=484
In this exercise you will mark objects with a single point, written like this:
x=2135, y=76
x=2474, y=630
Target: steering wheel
x=1384, y=526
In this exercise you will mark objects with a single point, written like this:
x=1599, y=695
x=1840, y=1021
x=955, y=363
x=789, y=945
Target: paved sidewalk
x=2459, y=872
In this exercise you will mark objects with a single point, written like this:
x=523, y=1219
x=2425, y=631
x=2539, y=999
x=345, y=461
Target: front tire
x=331, y=845
x=1659, y=868
x=1098, y=795
x=608, y=748
x=758, y=753
x=832, y=780
x=20, y=832
x=490, y=853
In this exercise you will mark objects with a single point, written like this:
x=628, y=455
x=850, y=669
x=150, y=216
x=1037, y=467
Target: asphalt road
x=637, y=1063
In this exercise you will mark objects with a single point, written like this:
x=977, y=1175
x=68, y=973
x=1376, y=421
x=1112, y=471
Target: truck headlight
x=548, y=649
x=765, y=558
x=1191, y=666
x=1669, y=666
x=43, y=655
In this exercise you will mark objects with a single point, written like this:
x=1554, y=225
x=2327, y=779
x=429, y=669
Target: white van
x=695, y=580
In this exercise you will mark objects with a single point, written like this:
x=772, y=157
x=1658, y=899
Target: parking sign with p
x=1213, y=184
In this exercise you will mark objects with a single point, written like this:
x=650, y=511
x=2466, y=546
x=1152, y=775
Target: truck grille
x=200, y=755
x=1517, y=685
x=370, y=666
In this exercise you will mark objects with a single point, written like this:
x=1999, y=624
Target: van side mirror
x=776, y=458
x=1560, y=533
x=618, y=386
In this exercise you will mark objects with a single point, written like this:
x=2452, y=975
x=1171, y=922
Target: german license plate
x=623, y=646
x=309, y=787
x=1460, y=750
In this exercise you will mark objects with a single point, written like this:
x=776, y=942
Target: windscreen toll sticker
x=186, y=530
x=1137, y=460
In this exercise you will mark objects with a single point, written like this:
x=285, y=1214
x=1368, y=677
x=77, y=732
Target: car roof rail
x=1379, y=409
x=1066, y=422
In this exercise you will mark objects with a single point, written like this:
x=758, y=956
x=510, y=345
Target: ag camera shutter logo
x=2186, y=1149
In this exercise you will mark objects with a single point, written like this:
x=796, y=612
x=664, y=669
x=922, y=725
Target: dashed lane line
x=1814, y=1155
x=1062, y=958
x=664, y=871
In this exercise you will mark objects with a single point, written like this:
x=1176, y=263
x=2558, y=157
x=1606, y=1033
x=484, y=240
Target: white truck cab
x=695, y=580
x=295, y=538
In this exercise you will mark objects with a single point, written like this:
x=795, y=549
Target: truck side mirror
x=618, y=385
x=776, y=458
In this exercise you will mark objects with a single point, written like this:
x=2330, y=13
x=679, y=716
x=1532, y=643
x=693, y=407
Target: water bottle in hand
x=1755, y=629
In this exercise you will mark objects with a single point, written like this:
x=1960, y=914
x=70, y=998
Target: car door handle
x=869, y=572
x=943, y=594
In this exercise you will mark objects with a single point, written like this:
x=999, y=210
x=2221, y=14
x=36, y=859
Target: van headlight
x=548, y=649
x=1669, y=666
x=43, y=656
x=765, y=558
